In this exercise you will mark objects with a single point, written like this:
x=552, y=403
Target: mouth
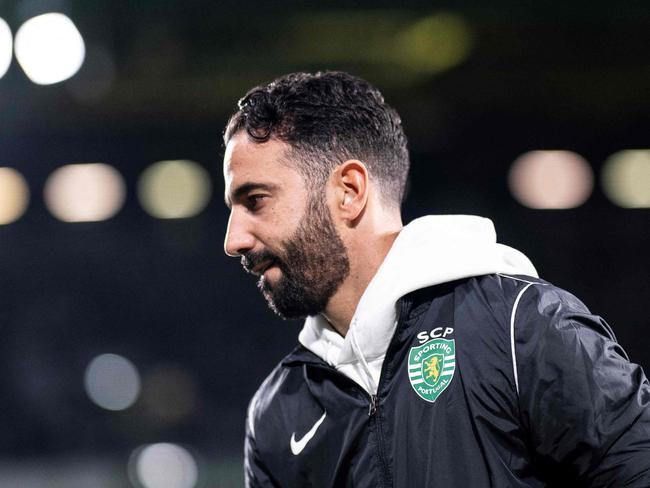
x=261, y=268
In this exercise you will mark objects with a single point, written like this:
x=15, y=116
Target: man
x=430, y=355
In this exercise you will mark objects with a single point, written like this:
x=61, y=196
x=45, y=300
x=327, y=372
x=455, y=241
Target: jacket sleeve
x=585, y=406
x=256, y=474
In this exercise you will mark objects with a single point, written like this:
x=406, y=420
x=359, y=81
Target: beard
x=313, y=264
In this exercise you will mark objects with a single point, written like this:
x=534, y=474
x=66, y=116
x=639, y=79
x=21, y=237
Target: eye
x=254, y=202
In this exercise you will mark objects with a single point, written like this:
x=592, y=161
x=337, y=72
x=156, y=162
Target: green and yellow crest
x=431, y=367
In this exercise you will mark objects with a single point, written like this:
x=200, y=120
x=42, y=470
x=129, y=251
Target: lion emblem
x=432, y=368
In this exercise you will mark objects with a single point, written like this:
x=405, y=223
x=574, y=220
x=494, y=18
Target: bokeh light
x=112, y=382
x=14, y=195
x=626, y=178
x=169, y=394
x=434, y=44
x=84, y=192
x=6, y=47
x=174, y=189
x=551, y=179
x=49, y=48
x=163, y=465
x=406, y=46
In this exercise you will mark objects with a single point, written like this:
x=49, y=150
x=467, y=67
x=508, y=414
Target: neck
x=370, y=253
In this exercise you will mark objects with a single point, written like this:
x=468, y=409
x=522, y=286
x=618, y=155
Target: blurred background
x=130, y=343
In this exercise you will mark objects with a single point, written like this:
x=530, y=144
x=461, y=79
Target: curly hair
x=328, y=118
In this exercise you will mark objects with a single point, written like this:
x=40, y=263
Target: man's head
x=307, y=157
x=328, y=118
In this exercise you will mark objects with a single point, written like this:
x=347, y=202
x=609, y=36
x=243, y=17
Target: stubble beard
x=314, y=264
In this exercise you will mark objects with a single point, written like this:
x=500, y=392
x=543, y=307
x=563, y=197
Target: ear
x=351, y=186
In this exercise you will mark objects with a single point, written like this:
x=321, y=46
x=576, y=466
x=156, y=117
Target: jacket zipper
x=373, y=412
x=373, y=406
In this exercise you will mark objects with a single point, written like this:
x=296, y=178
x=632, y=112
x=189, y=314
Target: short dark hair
x=327, y=118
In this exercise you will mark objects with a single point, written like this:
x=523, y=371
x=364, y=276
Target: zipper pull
x=372, y=409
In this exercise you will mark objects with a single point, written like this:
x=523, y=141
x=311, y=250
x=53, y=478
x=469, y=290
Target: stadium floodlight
x=49, y=48
x=84, y=192
x=551, y=179
x=174, y=189
x=626, y=178
x=14, y=195
x=6, y=47
x=112, y=382
x=163, y=465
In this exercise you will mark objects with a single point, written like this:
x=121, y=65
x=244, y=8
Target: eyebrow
x=245, y=188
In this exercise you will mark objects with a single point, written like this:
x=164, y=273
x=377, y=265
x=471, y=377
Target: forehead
x=244, y=155
x=247, y=162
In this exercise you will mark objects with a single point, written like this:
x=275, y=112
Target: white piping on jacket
x=512, y=332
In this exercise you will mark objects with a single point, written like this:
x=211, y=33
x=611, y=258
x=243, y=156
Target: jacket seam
x=520, y=279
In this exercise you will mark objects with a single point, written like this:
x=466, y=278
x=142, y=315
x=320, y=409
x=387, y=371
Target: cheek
x=278, y=224
x=277, y=232
x=273, y=243
x=287, y=222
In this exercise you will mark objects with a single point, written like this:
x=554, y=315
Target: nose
x=238, y=239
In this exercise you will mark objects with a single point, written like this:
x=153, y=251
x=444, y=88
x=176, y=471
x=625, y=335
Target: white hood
x=429, y=251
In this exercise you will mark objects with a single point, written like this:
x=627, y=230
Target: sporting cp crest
x=431, y=367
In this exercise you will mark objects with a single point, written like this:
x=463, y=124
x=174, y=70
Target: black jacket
x=492, y=381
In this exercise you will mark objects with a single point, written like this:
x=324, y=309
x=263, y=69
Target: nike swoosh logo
x=298, y=446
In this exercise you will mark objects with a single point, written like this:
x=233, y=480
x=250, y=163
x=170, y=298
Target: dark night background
x=551, y=75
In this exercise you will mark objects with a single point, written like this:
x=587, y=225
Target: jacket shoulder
x=530, y=301
x=508, y=287
x=541, y=307
x=546, y=293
